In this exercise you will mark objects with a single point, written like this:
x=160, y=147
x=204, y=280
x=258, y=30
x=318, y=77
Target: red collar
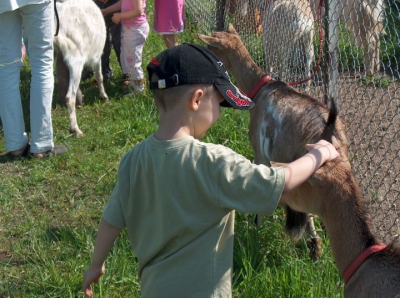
x=265, y=79
x=352, y=268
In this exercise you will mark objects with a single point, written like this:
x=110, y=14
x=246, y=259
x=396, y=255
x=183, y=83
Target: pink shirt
x=169, y=16
x=127, y=5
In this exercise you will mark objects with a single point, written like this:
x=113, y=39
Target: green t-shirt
x=177, y=200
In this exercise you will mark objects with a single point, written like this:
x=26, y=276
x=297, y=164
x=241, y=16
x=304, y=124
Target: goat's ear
x=232, y=29
x=210, y=40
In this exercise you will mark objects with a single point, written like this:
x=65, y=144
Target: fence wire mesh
x=351, y=51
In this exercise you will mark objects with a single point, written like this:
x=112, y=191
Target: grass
x=51, y=208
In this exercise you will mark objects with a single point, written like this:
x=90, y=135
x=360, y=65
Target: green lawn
x=50, y=209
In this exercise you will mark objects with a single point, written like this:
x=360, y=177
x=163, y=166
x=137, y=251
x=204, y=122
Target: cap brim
x=234, y=98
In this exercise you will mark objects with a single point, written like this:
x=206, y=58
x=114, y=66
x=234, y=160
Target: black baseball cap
x=192, y=64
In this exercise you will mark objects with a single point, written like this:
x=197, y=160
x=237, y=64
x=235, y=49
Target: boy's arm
x=301, y=169
x=105, y=239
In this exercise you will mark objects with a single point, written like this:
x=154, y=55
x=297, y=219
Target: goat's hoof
x=77, y=132
x=104, y=96
x=314, y=247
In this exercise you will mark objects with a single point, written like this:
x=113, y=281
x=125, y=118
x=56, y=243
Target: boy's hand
x=92, y=275
x=326, y=149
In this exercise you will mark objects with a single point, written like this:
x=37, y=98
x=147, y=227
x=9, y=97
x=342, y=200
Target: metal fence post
x=330, y=67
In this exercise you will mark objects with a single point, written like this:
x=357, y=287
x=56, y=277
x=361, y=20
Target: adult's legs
x=38, y=21
x=10, y=99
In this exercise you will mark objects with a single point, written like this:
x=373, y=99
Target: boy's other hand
x=92, y=275
x=326, y=149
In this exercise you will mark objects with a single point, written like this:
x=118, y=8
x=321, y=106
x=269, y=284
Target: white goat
x=288, y=33
x=80, y=41
x=364, y=19
x=281, y=123
x=280, y=20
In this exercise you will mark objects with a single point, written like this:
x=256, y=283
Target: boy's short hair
x=193, y=64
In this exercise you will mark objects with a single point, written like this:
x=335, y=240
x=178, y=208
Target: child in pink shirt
x=169, y=19
x=135, y=29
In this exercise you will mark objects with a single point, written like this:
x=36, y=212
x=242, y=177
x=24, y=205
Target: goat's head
x=223, y=44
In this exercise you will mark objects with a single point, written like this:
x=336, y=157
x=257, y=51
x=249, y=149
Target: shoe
x=139, y=88
x=125, y=79
x=57, y=150
x=25, y=153
x=108, y=77
x=137, y=85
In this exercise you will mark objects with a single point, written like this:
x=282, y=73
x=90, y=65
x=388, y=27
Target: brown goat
x=281, y=123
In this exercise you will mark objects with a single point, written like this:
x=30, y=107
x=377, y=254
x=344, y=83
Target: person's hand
x=326, y=149
x=116, y=18
x=92, y=275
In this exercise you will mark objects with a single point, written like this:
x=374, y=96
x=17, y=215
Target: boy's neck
x=174, y=124
x=171, y=132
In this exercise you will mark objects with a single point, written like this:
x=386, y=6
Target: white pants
x=133, y=40
x=38, y=23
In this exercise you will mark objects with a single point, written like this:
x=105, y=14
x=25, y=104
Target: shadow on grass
x=90, y=91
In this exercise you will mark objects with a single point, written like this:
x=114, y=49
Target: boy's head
x=190, y=64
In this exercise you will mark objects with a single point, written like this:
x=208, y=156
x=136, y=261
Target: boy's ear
x=195, y=99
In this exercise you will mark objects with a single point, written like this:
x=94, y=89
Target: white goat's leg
x=371, y=54
x=99, y=78
x=309, y=53
x=75, y=71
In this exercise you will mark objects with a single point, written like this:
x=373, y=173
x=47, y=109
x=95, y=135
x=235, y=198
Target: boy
x=177, y=195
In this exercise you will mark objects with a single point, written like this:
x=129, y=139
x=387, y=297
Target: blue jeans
x=38, y=23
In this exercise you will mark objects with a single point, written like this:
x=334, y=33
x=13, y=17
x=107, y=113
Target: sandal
x=57, y=150
x=25, y=153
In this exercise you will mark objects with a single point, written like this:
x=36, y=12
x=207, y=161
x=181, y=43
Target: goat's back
x=82, y=30
x=283, y=121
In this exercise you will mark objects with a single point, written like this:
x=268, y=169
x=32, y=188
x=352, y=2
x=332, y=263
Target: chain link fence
x=351, y=50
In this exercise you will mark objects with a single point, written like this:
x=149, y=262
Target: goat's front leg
x=313, y=239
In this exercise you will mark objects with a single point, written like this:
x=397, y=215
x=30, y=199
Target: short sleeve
x=112, y=213
x=248, y=187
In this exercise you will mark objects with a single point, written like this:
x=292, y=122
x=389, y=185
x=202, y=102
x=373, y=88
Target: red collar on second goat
x=352, y=268
x=265, y=79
